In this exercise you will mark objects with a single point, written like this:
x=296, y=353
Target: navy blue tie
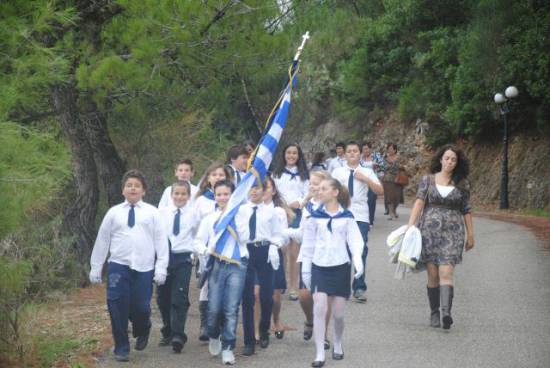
x=238, y=177
x=350, y=183
x=131, y=216
x=176, y=227
x=293, y=175
x=252, y=224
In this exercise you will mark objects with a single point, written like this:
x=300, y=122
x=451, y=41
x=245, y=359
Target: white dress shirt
x=291, y=190
x=189, y=223
x=166, y=199
x=135, y=247
x=327, y=249
x=268, y=224
x=283, y=220
x=335, y=163
x=296, y=234
x=235, y=171
x=204, y=206
x=205, y=241
x=359, y=202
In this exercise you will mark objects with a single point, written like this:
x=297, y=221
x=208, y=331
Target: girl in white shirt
x=291, y=177
x=286, y=215
x=205, y=205
x=310, y=204
x=326, y=264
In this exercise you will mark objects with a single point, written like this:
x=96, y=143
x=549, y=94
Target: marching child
x=286, y=215
x=358, y=180
x=265, y=239
x=133, y=234
x=228, y=262
x=310, y=204
x=205, y=204
x=183, y=172
x=326, y=263
x=291, y=178
x=181, y=224
x=237, y=159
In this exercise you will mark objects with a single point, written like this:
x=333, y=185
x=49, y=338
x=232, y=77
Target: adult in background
x=374, y=161
x=393, y=192
x=444, y=215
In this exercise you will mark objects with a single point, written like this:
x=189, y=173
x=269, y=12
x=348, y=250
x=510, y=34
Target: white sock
x=338, y=305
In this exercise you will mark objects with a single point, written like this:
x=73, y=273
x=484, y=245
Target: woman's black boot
x=433, y=297
x=446, y=305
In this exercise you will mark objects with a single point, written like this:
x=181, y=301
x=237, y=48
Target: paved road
x=501, y=311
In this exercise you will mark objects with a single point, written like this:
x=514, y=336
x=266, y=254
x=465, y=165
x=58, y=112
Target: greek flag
x=226, y=245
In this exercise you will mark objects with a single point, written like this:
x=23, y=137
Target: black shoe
x=280, y=334
x=264, y=340
x=141, y=341
x=327, y=344
x=447, y=293
x=177, y=344
x=308, y=331
x=318, y=363
x=359, y=296
x=337, y=356
x=165, y=341
x=248, y=350
x=124, y=357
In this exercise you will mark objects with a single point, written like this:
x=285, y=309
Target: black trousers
x=173, y=296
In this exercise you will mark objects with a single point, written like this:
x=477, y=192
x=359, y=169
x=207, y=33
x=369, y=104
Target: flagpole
x=291, y=72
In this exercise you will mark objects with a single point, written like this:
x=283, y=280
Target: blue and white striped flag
x=225, y=228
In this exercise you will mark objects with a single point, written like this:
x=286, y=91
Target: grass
x=51, y=349
x=536, y=212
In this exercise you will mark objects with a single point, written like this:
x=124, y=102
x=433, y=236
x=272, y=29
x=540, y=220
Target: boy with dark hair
x=181, y=221
x=183, y=171
x=358, y=180
x=340, y=159
x=237, y=159
x=133, y=233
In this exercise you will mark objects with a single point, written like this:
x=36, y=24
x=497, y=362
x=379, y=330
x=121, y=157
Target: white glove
x=273, y=257
x=95, y=276
x=359, y=269
x=160, y=278
x=306, y=278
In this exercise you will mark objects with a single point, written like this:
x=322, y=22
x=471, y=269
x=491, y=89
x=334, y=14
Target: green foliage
x=443, y=61
x=33, y=164
x=13, y=284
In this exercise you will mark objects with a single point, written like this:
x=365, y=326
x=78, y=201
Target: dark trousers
x=128, y=298
x=257, y=267
x=371, y=200
x=173, y=296
x=361, y=283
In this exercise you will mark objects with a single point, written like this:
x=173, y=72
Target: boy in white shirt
x=133, y=233
x=237, y=159
x=357, y=180
x=340, y=159
x=183, y=172
x=181, y=221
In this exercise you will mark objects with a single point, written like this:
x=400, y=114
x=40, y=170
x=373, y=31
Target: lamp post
x=502, y=100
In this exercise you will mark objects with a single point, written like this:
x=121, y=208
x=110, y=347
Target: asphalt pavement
x=501, y=311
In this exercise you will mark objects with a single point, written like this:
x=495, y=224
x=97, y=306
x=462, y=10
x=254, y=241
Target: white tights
x=320, y=306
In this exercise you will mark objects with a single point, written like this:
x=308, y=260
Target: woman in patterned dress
x=442, y=206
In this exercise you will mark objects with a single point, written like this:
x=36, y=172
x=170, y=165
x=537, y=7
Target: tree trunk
x=80, y=216
x=110, y=165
